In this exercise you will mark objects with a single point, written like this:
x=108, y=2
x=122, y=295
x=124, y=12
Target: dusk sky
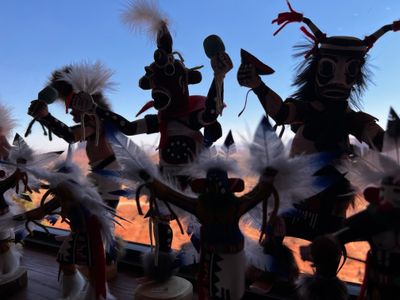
x=38, y=36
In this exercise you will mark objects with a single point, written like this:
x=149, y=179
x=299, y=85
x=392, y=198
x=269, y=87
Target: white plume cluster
x=68, y=173
x=209, y=159
x=144, y=15
x=7, y=122
x=91, y=78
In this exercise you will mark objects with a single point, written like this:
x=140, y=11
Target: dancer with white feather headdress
x=72, y=84
x=10, y=254
x=377, y=176
x=14, y=158
x=217, y=208
x=91, y=224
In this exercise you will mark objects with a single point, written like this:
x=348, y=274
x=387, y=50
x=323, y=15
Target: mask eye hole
x=169, y=70
x=353, y=68
x=326, y=68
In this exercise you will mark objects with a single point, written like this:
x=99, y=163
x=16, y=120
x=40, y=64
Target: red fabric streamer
x=98, y=267
x=287, y=17
x=68, y=101
x=312, y=37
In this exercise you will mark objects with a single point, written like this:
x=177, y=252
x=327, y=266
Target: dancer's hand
x=221, y=64
x=247, y=76
x=38, y=109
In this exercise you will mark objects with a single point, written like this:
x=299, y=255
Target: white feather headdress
x=7, y=122
x=91, y=78
x=371, y=167
x=67, y=172
x=144, y=14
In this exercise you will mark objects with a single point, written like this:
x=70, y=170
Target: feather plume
x=91, y=78
x=206, y=161
x=229, y=146
x=130, y=157
x=391, y=142
x=68, y=173
x=371, y=166
x=144, y=15
x=20, y=150
x=7, y=122
x=295, y=179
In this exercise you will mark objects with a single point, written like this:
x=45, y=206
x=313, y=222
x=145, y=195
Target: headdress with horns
x=334, y=43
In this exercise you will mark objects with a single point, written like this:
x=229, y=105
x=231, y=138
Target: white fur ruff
x=91, y=78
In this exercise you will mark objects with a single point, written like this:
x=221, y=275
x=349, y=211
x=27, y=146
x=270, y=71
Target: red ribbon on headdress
x=287, y=17
x=68, y=101
x=313, y=38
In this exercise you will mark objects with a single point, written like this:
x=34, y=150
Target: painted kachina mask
x=334, y=68
x=167, y=76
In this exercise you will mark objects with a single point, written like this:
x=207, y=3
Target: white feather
x=82, y=190
x=295, y=179
x=7, y=122
x=88, y=77
x=370, y=169
x=210, y=159
x=20, y=149
x=144, y=14
x=131, y=158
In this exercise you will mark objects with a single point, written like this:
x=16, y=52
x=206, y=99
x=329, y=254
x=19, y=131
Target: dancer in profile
x=69, y=84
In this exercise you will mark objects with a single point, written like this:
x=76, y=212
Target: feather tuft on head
x=91, y=78
x=144, y=15
x=7, y=123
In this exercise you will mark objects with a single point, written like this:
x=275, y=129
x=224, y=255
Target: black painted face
x=336, y=76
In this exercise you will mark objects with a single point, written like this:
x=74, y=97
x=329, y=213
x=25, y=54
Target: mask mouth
x=162, y=99
x=336, y=92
